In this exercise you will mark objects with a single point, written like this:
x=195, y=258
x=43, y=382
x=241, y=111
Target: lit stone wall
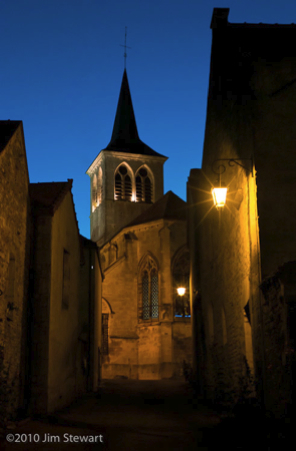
x=250, y=115
x=110, y=216
x=13, y=272
x=61, y=349
x=64, y=370
x=150, y=349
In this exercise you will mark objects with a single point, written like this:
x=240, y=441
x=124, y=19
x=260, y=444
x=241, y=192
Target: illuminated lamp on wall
x=181, y=291
x=219, y=196
x=219, y=192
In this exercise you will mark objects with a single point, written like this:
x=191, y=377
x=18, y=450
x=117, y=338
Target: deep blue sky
x=61, y=70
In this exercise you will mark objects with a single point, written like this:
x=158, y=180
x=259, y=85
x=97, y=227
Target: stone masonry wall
x=13, y=273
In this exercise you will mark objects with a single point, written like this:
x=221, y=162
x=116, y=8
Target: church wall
x=120, y=291
x=112, y=161
x=143, y=349
x=65, y=376
x=13, y=271
x=111, y=215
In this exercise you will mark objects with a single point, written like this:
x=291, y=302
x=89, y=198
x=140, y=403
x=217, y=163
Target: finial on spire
x=125, y=47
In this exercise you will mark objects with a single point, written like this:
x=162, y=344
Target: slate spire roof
x=125, y=137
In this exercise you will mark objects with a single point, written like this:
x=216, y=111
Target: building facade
x=142, y=236
x=243, y=255
x=50, y=291
x=64, y=299
x=14, y=268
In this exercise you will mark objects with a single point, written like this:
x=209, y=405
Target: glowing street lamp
x=219, y=196
x=181, y=291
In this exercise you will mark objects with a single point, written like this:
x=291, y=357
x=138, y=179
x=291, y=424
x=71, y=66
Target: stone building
x=142, y=236
x=243, y=254
x=14, y=269
x=50, y=291
x=65, y=317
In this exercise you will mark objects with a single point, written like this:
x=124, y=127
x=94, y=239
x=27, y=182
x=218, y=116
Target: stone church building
x=142, y=236
x=243, y=254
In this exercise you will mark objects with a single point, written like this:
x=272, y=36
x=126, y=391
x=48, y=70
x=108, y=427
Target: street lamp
x=181, y=291
x=219, y=193
x=219, y=196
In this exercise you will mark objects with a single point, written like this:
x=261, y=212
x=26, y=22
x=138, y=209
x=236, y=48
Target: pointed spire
x=125, y=127
x=125, y=136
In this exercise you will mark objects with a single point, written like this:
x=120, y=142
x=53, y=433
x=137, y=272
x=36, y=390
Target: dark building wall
x=13, y=271
x=66, y=308
x=40, y=299
x=250, y=117
x=90, y=314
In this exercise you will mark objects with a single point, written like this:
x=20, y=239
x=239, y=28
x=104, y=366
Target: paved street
x=128, y=415
x=124, y=415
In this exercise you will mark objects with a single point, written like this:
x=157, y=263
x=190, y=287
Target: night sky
x=61, y=70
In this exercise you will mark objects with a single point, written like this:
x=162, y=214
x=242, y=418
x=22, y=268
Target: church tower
x=126, y=177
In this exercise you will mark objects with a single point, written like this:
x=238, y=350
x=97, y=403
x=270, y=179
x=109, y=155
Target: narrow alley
x=124, y=415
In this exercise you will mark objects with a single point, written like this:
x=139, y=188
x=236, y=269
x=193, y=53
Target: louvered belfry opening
x=143, y=187
x=139, y=190
x=123, y=184
x=118, y=187
x=128, y=191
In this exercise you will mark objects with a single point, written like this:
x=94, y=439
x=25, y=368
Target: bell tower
x=126, y=177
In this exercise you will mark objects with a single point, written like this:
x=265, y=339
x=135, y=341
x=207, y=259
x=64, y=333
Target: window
x=180, y=271
x=149, y=290
x=143, y=186
x=100, y=187
x=94, y=192
x=123, y=184
x=66, y=280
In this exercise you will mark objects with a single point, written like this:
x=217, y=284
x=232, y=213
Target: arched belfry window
x=100, y=186
x=123, y=184
x=149, y=290
x=180, y=270
x=144, y=188
x=94, y=192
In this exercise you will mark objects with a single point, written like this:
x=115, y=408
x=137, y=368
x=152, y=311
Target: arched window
x=149, y=290
x=180, y=272
x=143, y=186
x=100, y=186
x=123, y=184
x=94, y=192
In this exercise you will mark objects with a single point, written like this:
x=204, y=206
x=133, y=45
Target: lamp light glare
x=219, y=196
x=181, y=291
